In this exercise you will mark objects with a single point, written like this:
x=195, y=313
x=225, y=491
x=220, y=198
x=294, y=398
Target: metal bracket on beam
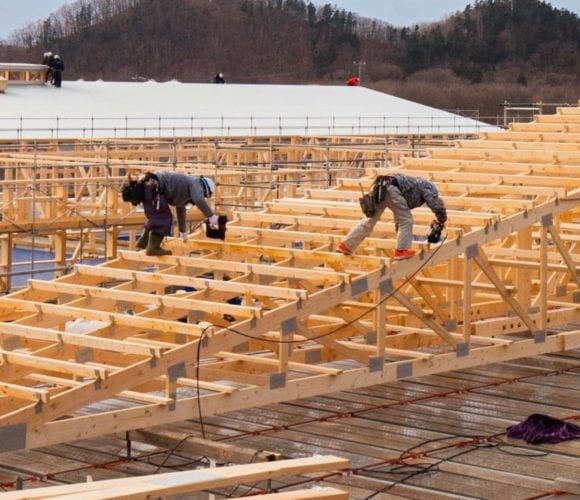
x=312, y=356
x=85, y=355
x=12, y=437
x=405, y=370
x=450, y=325
x=176, y=371
x=462, y=349
x=359, y=286
x=539, y=336
x=11, y=343
x=173, y=403
x=371, y=337
x=472, y=251
x=547, y=220
x=277, y=380
x=376, y=363
x=289, y=326
x=386, y=286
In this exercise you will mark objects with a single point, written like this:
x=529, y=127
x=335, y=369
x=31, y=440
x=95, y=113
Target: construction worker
x=219, y=78
x=400, y=193
x=178, y=190
x=181, y=190
x=159, y=217
x=353, y=81
x=57, y=69
x=47, y=60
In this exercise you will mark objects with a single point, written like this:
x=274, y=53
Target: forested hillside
x=495, y=50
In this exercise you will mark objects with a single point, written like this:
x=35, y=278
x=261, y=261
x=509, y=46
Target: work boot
x=404, y=254
x=343, y=249
x=143, y=240
x=154, y=245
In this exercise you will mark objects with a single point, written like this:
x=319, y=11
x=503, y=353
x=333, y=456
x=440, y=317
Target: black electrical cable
x=254, y=456
x=233, y=330
x=171, y=452
x=429, y=468
x=351, y=322
x=477, y=443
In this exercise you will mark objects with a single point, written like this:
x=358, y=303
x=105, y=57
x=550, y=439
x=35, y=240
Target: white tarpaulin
x=125, y=109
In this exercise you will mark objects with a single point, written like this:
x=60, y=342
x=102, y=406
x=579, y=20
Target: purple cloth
x=538, y=428
x=159, y=216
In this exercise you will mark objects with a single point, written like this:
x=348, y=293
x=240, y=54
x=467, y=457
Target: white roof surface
x=127, y=109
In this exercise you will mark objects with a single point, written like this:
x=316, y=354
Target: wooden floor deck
x=453, y=422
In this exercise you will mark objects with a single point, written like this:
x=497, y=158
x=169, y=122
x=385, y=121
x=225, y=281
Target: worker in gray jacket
x=156, y=191
x=400, y=193
x=181, y=189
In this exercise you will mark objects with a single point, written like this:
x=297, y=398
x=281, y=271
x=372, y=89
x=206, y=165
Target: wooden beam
x=174, y=483
x=223, y=452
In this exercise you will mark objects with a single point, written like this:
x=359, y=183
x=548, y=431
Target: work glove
x=184, y=236
x=213, y=221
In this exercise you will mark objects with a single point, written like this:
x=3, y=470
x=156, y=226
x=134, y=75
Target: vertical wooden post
x=379, y=321
x=6, y=261
x=524, y=242
x=111, y=242
x=454, y=293
x=284, y=348
x=543, y=278
x=467, y=276
x=59, y=240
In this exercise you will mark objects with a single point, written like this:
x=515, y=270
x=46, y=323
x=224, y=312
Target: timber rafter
x=275, y=314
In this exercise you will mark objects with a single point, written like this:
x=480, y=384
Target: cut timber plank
x=321, y=493
x=222, y=452
x=183, y=482
x=566, y=485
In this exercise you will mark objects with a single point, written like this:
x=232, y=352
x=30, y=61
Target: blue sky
x=407, y=12
x=16, y=13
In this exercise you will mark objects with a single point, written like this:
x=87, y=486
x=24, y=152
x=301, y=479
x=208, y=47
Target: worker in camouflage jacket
x=400, y=193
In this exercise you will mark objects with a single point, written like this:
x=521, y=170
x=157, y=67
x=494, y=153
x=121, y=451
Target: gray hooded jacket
x=180, y=190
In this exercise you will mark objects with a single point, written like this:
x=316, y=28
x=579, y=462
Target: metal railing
x=206, y=126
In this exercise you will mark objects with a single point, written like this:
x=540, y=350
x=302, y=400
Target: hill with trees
x=495, y=50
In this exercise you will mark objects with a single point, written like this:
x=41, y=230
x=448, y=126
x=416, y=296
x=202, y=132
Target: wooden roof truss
x=275, y=314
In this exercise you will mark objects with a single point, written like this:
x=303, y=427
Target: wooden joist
x=174, y=483
x=274, y=313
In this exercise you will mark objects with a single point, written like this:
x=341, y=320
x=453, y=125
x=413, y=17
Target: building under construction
x=328, y=376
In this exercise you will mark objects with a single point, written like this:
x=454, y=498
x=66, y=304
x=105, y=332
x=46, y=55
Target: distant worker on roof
x=219, y=78
x=57, y=69
x=353, y=81
x=47, y=60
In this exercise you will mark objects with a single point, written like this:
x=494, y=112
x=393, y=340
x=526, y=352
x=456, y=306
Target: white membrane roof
x=131, y=109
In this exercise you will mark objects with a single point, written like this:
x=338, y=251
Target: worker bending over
x=400, y=193
x=157, y=191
